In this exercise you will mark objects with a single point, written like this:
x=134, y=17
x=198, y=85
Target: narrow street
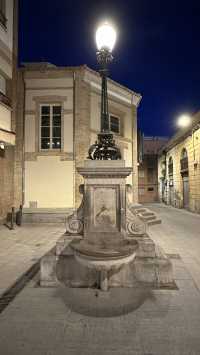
x=179, y=234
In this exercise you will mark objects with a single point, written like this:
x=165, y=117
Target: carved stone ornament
x=74, y=222
x=134, y=225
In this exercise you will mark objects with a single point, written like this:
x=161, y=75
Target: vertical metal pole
x=104, y=104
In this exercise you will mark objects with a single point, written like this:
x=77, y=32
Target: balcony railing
x=184, y=164
x=5, y=100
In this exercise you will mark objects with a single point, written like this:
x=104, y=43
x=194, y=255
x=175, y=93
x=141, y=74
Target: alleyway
x=57, y=321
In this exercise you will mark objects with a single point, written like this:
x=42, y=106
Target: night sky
x=157, y=53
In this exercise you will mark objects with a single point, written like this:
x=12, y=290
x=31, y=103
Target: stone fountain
x=106, y=244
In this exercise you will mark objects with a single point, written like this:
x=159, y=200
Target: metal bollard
x=19, y=216
x=12, y=218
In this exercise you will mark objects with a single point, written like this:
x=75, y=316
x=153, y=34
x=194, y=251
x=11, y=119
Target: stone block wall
x=6, y=181
x=192, y=145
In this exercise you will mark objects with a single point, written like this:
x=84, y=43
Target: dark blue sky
x=157, y=53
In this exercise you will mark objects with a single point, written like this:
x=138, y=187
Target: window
x=3, y=19
x=114, y=124
x=50, y=127
x=184, y=160
x=170, y=166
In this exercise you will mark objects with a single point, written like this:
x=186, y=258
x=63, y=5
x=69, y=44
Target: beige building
x=148, y=169
x=179, y=168
x=8, y=65
x=59, y=118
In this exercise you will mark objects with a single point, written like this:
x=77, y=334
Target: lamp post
x=104, y=148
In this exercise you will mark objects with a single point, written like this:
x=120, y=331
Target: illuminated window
x=50, y=127
x=114, y=123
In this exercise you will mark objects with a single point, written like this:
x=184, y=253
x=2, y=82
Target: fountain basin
x=104, y=258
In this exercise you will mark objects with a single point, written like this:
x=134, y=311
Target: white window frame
x=51, y=105
x=111, y=114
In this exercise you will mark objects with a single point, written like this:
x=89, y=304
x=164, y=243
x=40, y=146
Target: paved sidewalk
x=23, y=247
x=179, y=233
x=135, y=321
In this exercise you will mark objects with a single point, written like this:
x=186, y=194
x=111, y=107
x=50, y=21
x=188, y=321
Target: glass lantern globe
x=105, y=37
x=184, y=121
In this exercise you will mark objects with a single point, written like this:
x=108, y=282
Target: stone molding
x=50, y=98
x=96, y=172
x=39, y=88
x=32, y=156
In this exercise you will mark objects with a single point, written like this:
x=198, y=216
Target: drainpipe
x=23, y=143
x=74, y=155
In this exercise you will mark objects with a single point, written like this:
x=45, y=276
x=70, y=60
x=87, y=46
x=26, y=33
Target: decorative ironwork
x=104, y=148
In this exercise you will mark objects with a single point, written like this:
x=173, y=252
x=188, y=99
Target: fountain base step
x=150, y=265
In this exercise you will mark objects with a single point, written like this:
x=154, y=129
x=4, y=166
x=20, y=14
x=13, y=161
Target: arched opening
x=171, y=183
x=184, y=170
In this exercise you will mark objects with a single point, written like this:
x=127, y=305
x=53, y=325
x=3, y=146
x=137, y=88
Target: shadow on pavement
x=95, y=303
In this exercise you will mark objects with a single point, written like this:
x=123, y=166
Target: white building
x=8, y=60
x=61, y=118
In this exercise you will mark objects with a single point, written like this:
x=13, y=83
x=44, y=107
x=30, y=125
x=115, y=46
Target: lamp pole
x=104, y=148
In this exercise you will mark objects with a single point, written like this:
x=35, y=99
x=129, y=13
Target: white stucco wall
x=49, y=182
x=49, y=179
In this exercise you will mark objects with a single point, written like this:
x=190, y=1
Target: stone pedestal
x=106, y=243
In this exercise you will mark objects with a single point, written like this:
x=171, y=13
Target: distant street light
x=104, y=148
x=184, y=121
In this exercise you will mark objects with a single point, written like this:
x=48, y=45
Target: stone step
x=140, y=210
x=45, y=215
x=155, y=221
x=148, y=214
x=147, y=218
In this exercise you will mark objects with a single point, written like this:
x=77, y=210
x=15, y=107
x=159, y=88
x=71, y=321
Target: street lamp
x=104, y=148
x=184, y=121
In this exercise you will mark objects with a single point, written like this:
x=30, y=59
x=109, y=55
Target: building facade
x=179, y=168
x=8, y=66
x=148, y=169
x=59, y=118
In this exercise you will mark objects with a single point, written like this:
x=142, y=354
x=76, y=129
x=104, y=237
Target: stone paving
x=22, y=247
x=140, y=321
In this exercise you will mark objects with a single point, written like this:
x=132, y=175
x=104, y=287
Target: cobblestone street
x=141, y=321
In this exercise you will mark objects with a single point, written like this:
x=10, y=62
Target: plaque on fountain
x=104, y=200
